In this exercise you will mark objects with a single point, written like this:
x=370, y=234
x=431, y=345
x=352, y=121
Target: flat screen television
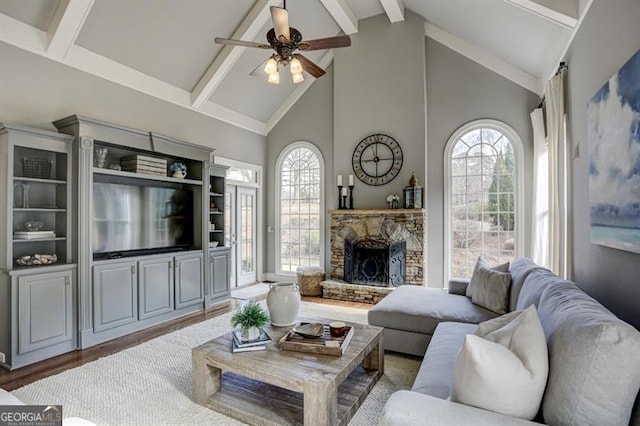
x=131, y=219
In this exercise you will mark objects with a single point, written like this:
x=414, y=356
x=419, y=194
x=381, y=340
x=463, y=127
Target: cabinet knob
x=177, y=263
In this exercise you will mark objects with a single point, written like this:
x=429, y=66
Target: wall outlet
x=2, y=359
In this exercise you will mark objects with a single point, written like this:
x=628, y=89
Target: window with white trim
x=483, y=198
x=299, y=207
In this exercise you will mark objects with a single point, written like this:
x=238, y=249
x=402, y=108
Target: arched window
x=299, y=208
x=483, y=196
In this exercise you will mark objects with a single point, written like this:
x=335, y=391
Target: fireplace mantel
x=357, y=212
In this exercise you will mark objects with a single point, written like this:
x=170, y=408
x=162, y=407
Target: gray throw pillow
x=492, y=290
x=483, y=263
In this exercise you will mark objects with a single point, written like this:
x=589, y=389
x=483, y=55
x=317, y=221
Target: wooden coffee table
x=278, y=387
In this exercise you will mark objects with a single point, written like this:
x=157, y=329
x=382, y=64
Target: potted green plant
x=250, y=318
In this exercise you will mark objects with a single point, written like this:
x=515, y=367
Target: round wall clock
x=377, y=159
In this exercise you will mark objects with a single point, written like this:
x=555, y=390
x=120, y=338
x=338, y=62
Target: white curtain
x=550, y=237
x=540, y=219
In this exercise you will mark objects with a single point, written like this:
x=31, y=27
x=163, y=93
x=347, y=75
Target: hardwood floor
x=11, y=380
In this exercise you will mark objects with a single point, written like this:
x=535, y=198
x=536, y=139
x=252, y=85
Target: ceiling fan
x=286, y=41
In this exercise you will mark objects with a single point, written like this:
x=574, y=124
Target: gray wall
x=310, y=120
x=608, y=37
x=379, y=88
x=35, y=91
x=458, y=91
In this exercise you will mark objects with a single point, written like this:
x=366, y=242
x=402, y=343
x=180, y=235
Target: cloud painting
x=613, y=132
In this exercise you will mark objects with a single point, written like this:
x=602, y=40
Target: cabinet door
x=45, y=304
x=220, y=269
x=155, y=287
x=115, y=295
x=188, y=273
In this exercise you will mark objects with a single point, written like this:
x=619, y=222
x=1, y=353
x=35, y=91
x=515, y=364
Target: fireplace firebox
x=374, y=261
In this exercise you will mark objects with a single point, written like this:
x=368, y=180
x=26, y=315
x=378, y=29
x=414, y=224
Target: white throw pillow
x=504, y=367
x=474, y=276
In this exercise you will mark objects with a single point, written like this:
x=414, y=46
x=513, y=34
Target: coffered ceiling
x=165, y=48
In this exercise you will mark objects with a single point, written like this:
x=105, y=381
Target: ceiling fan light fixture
x=272, y=66
x=296, y=66
x=297, y=77
x=274, y=78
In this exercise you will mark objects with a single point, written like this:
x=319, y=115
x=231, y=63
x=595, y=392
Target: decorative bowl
x=33, y=225
x=314, y=329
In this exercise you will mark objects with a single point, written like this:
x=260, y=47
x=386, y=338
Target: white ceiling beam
x=33, y=40
x=545, y=11
x=300, y=90
x=484, y=58
x=342, y=14
x=394, y=9
x=257, y=17
x=66, y=25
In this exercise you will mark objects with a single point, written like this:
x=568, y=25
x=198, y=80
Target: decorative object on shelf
x=377, y=159
x=283, y=302
x=100, y=156
x=37, y=259
x=33, y=225
x=25, y=195
x=392, y=201
x=251, y=317
x=115, y=167
x=37, y=168
x=413, y=194
x=213, y=244
x=178, y=170
x=212, y=226
x=144, y=164
x=33, y=235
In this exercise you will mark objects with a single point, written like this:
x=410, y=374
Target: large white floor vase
x=283, y=302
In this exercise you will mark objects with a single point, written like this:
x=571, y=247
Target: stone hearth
x=389, y=225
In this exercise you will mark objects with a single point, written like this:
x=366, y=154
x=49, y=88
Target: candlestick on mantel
x=344, y=192
x=350, y=180
x=350, y=197
x=340, y=206
x=339, y=180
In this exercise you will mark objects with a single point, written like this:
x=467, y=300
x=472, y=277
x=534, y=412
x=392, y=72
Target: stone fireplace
x=373, y=251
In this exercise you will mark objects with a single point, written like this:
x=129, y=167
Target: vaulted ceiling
x=165, y=48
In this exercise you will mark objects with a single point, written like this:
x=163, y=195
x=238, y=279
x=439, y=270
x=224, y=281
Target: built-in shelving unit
x=37, y=293
x=217, y=201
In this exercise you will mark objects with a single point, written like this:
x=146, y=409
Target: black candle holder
x=344, y=202
x=350, y=197
x=341, y=205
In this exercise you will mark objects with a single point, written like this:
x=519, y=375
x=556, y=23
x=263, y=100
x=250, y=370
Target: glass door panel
x=246, y=250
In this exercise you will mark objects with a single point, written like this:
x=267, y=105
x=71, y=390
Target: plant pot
x=250, y=333
x=283, y=302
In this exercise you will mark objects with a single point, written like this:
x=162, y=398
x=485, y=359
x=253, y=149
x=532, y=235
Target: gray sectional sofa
x=594, y=357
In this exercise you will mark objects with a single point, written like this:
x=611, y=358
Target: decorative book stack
x=242, y=345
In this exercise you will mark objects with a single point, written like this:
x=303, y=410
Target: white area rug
x=150, y=384
x=251, y=291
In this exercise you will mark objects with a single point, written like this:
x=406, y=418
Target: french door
x=241, y=218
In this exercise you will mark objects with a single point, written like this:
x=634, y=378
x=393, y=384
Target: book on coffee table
x=262, y=340
x=235, y=348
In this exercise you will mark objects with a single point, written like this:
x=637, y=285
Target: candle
x=339, y=180
x=344, y=192
x=350, y=180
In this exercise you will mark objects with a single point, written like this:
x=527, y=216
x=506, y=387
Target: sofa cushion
x=520, y=268
x=492, y=290
x=482, y=263
x=503, y=368
x=435, y=376
x=533, y=286
x=594, y=373
x=420, y=309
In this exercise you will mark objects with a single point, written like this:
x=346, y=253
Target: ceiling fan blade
x=280, y=18
x=242, y=43
x=325, y=43
x=309, y=66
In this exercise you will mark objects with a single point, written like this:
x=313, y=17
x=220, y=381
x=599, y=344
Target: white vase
x=283, y=302
x=250, y=333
